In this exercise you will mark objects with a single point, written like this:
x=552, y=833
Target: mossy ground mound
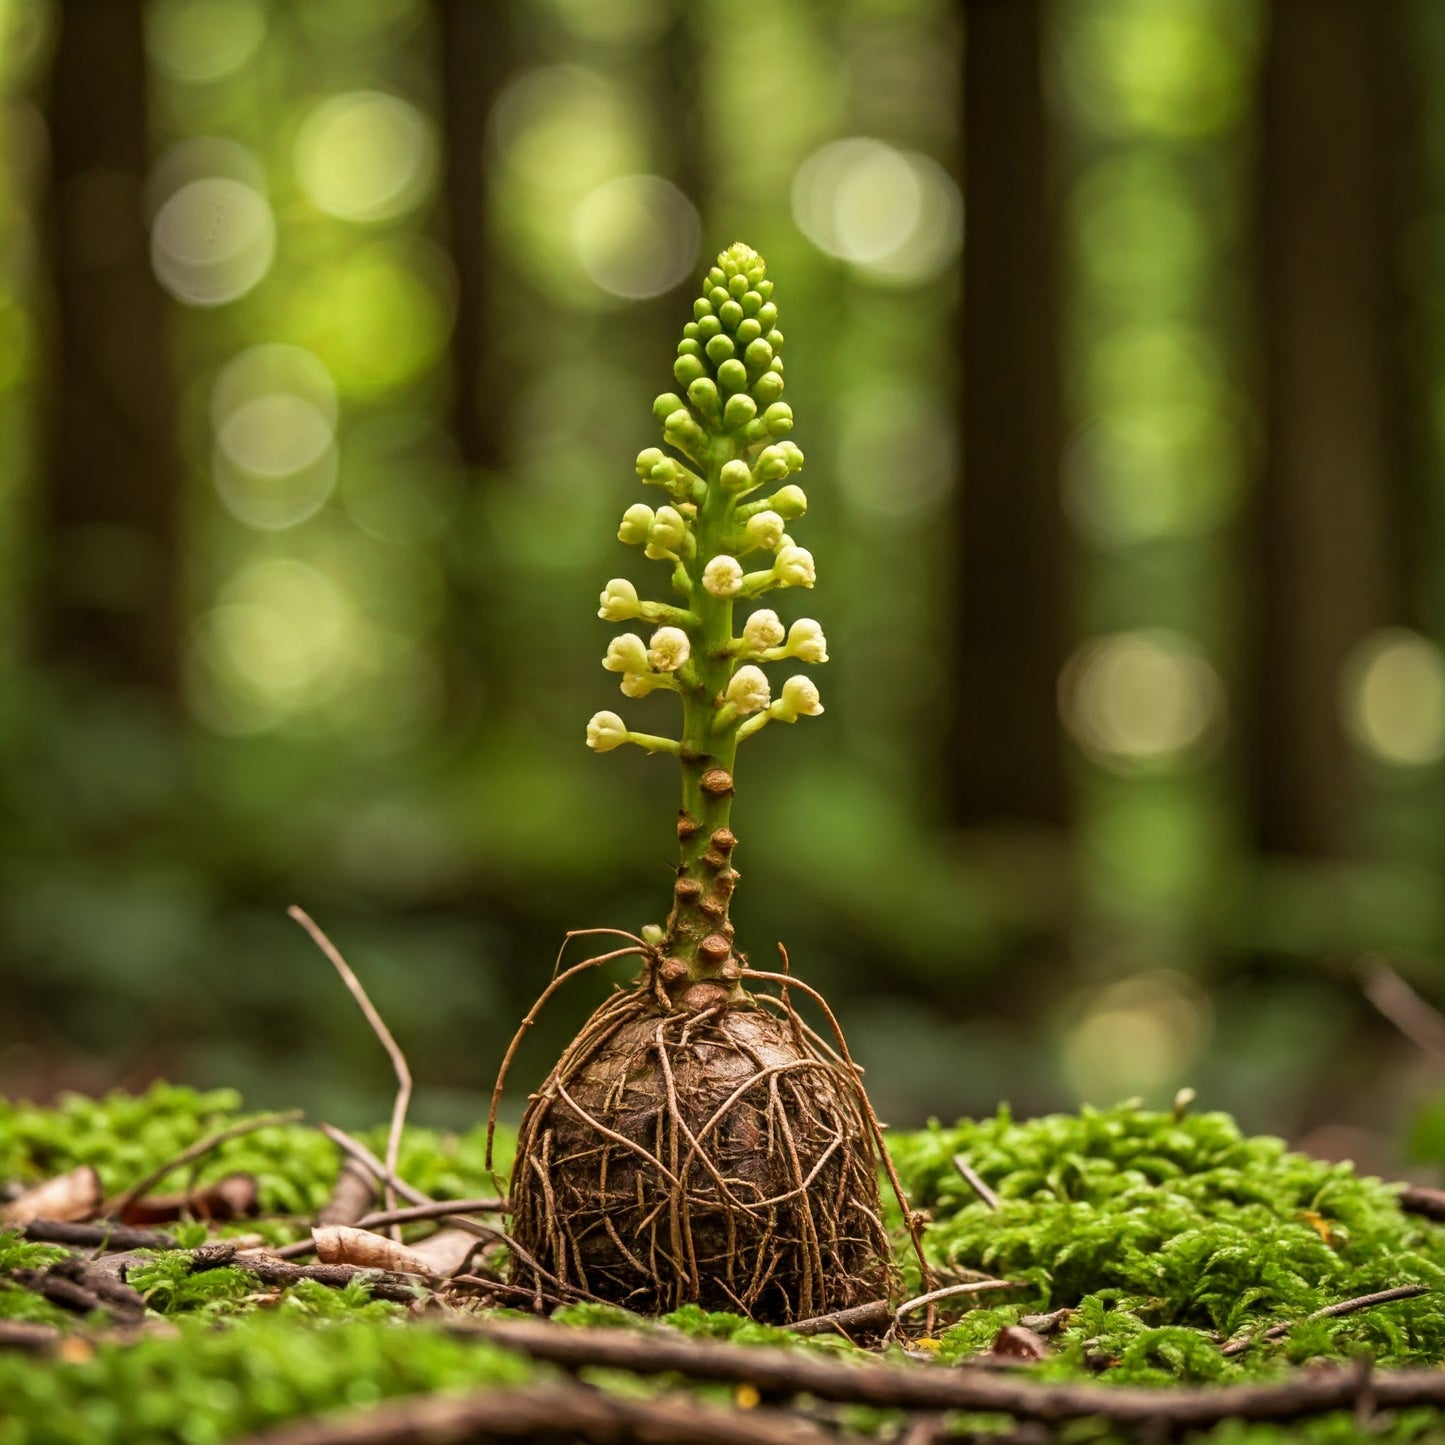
x=1164, y=1238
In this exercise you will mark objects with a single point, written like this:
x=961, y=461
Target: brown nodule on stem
x=673, y=970
x=712, y=908
x=724, y=840
x=687, y=889
x=713, y=860
x=715, y=948
x=687, y=825
x=717, y=781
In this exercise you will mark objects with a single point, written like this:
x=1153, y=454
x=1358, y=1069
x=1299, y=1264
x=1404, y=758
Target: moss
x=1161, y=1235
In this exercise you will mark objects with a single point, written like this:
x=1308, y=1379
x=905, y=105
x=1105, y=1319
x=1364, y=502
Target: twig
x=1422, y=1199
x=1421, y=1022
x=379, y=1028
x=1341, y=1307
x=557, y=1410
x=789, y=1372
x=870, y=1316
x=96, y=1236
x=973, y=1286
x=198, y=1150
x=438, y=1209
x=975, y=1181
x=25, y=1335
x=384, y=1284
x=362, y=1154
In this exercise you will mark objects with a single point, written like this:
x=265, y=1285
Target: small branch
x=23, y=1335
x=974, y=1286
x=1341, y=1307
x=379, y=1028
x=384, y=1284
x=975, y=1181
x=871, y=1316
x=439, y=1209
x=363, y=1155
x=96, y=1236
x=1422, y=1199
x=556, y=1410
x=1419, y=1021
x=790, y=1372
x=122, y=1201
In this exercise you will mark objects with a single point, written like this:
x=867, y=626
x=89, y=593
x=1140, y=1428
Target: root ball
x=717, y=1158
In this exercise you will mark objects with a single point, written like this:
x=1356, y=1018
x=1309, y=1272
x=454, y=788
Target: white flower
x=749, y=691
x=736, y=476
x=806, y=641
x=669, y=649
x=626, y=654
x=605, y=732
x=637, y=684
x=799, y=699
x=793, y=567
x=763, y=630
x=765, y=530
x=619, y=601
x=637, y=522
x=723, y=576
x=666, y=534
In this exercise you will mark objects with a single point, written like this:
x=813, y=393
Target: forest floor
x=1153, y=1275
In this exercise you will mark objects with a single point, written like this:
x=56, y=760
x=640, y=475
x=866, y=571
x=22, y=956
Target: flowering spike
x=725, y=434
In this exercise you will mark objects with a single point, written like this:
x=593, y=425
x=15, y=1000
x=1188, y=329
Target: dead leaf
x=68, y=1197
x=341, y=1244
x=1014, y=1342
x=447, y=1252
x=234, y=1197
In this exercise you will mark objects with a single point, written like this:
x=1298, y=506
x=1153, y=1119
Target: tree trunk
x=1330, y=528
x=1006, y=746
x=109, y=563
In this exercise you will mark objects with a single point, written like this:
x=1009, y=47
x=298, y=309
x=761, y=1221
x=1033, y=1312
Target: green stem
x=698, y=927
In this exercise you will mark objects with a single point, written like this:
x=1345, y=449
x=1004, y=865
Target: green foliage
x=1166, y=1235
x=1161, y=1236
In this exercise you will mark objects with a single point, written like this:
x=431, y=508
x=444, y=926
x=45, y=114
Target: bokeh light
x=365, y=156
x=197, y=41
x=895, y=215
x=212, y=241
x=1135, y=1036
x=1393, y=697
x=636, y=236
x=1138, y=698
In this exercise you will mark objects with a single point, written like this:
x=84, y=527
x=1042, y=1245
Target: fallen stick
x=973, y=1286
x=975, y=1181
x=785, y=1372
x=363, y=1155
x=26, y=1335
x=379, y=1028
x=557, y=1410
x=96, y=1236
x=387, y=1285
x=1341, y=1307
x=198, y=1150
x=875, y=1314
x=1422, y=1199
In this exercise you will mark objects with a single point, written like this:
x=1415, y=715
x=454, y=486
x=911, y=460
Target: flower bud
x=635, y=684
x=670, y=648
x=793, y=567
x=730, y=314
x=775, y=339
x=806, y=641
x=606, y=731
x=648, y=458
x=618, y=602
x=736, y=476
x=700, y=308
x=799, y=699
x=751, y=303
x=687, y=369
x=683, y=432
x=778, y=419
x=758, y=356
x=703, y=395
x=749, y=691
x=723, y=576
x=739, y=411
x=768, y=388
x=689, y=346
x=663, y=406
x=748, y=330
x=763, y=630
x=636, y=523
x=767, y=314
x=793, y=454
x=718, y=295
x=667, y=531
x=708, y=327
x=765, y=530
x=790, y=501
x=771, y=465
x=719, y=349
x=732, y=375
x=626, y=654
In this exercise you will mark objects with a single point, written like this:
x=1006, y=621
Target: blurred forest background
x=328, y=333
